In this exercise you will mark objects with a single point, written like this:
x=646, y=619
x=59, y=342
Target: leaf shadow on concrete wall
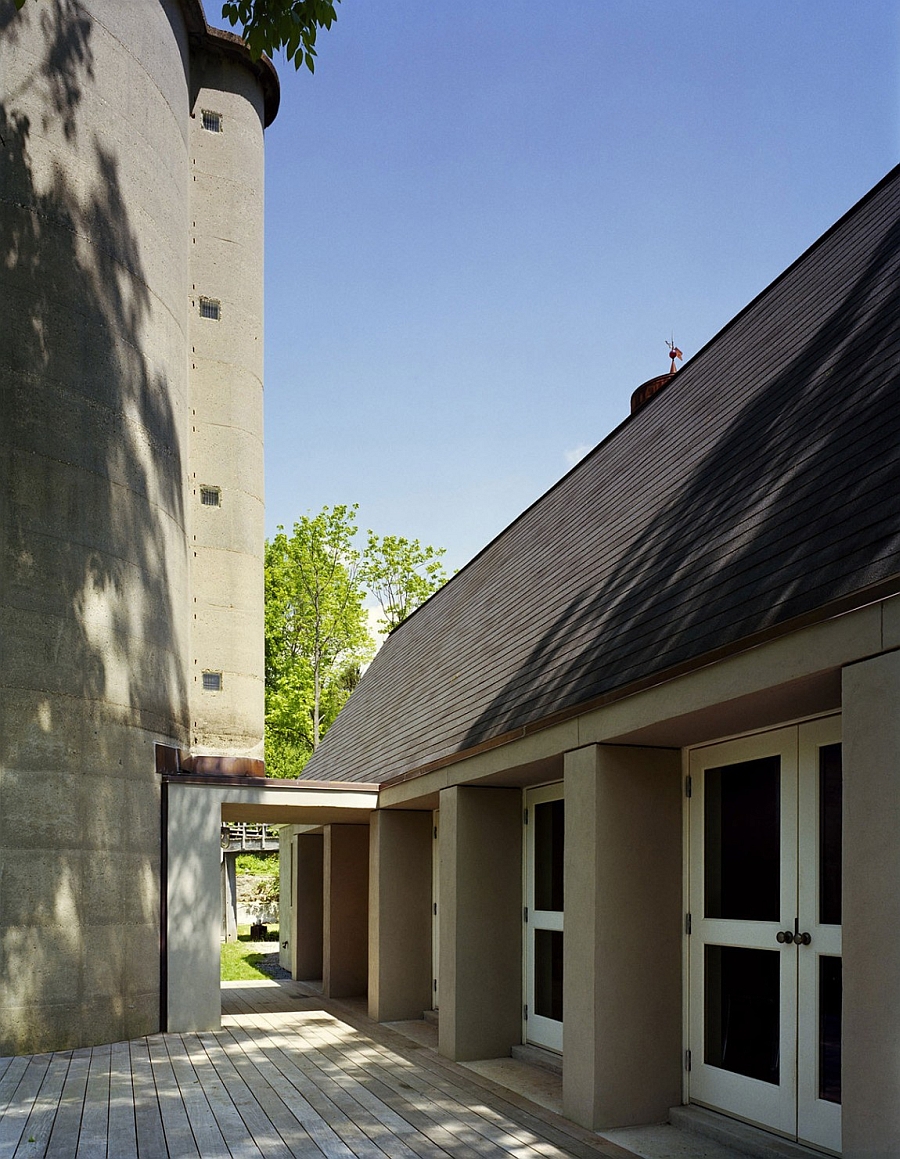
x=91, y=507
x=747, y=540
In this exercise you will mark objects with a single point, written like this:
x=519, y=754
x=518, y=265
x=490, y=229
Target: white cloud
x=576, y=454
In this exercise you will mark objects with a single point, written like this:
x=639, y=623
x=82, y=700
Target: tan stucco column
x=400, y=854
x=623, y=922
x=871, y=909
x=345, y=918
x=480, y=922
x=308, y=885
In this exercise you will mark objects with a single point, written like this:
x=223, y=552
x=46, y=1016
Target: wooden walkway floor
x=289, y=1074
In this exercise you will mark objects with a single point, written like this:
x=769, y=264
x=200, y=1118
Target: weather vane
x=674, y=353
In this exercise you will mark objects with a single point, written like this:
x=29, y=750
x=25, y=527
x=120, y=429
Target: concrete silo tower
x=121, y=404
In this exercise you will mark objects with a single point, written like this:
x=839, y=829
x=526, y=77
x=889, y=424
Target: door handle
x=802, y=939
x=784, y=937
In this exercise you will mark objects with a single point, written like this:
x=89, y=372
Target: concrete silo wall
x=226, y=400
x=96, y=490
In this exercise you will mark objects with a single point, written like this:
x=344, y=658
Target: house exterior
x=131, y=484
x=637, y=765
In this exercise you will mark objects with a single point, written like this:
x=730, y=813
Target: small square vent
x=212, y=122
x=211, y=308
x=211, y=496
x=212, y=681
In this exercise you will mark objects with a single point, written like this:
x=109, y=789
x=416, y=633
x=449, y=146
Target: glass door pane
x=742, y=840
x=830, y=1029
x=549, y=848
x=743, y=1011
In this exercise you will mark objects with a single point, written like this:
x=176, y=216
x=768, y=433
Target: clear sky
x=484, y=221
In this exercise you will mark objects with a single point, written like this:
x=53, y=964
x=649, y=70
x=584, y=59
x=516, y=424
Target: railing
x=241, y=837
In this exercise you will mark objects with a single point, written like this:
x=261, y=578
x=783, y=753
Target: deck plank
x=122, y=1104
x=221, y=1100
x=390, y=1070
x=207, y=1135
x=63, y=1142
x=9, y=1083
x=253, y=1098
x=12, y=1124
x=275, y=1096
x=451, y=1126
x=328, y=1105
x=36, y=1133
x=321, y=1131
x=290, y=1075
x=94, y=1133
x=177, y=1133
x=432, y=1140
x=148, y=1124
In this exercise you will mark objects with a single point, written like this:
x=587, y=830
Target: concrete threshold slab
x=695, y=1133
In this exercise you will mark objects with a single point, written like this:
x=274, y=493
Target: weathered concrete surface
x=95, y=595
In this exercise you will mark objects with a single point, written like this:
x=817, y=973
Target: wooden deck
x=289, y=1074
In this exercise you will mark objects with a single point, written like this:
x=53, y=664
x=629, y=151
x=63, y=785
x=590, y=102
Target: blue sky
x=484, y=221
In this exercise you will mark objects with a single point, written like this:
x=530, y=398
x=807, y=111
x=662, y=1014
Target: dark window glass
x=741, y=1002
x=830, y=835
x=549, y=846
x=742, y=835
x=830, y=1029
x=548, y=974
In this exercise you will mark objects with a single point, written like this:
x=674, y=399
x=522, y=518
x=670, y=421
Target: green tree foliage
x=269, y=26
x=401, y=574
x=317, y=636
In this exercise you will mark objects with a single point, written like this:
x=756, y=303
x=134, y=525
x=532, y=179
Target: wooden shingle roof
x=760, y=489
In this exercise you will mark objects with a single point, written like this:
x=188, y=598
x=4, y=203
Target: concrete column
x=871, y=908
x=623, y=920
x=480, y=922
x=194, y=910
x=345, y=925
x=308, y=885
x=400, y=973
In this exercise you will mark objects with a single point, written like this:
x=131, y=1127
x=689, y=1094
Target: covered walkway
x=289, y=1074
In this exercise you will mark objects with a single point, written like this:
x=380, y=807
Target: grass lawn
x=239, y=961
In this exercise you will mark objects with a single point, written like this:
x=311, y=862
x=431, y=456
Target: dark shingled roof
x=758, y=490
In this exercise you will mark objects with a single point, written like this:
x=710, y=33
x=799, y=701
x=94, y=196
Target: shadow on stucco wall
x=93, y=553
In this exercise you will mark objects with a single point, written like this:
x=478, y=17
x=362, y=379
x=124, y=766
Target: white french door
x=545, y=830
x=765, y=943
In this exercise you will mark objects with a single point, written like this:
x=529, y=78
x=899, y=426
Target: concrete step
x=432, y=1016
x=538, y=1056
x=741, y=1137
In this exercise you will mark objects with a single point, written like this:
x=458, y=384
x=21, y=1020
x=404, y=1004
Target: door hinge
x=525, y=914
x=688, y=786
x=687, y=1060
x=526, y=1013
x=687, y=924
x=434, y=910
x=434, y=985
x=435, y=832
x=526, y=816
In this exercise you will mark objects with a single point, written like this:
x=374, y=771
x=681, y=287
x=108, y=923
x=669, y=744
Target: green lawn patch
x=239, y=962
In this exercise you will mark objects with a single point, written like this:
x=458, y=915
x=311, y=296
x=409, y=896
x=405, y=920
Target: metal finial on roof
x=674, y=353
